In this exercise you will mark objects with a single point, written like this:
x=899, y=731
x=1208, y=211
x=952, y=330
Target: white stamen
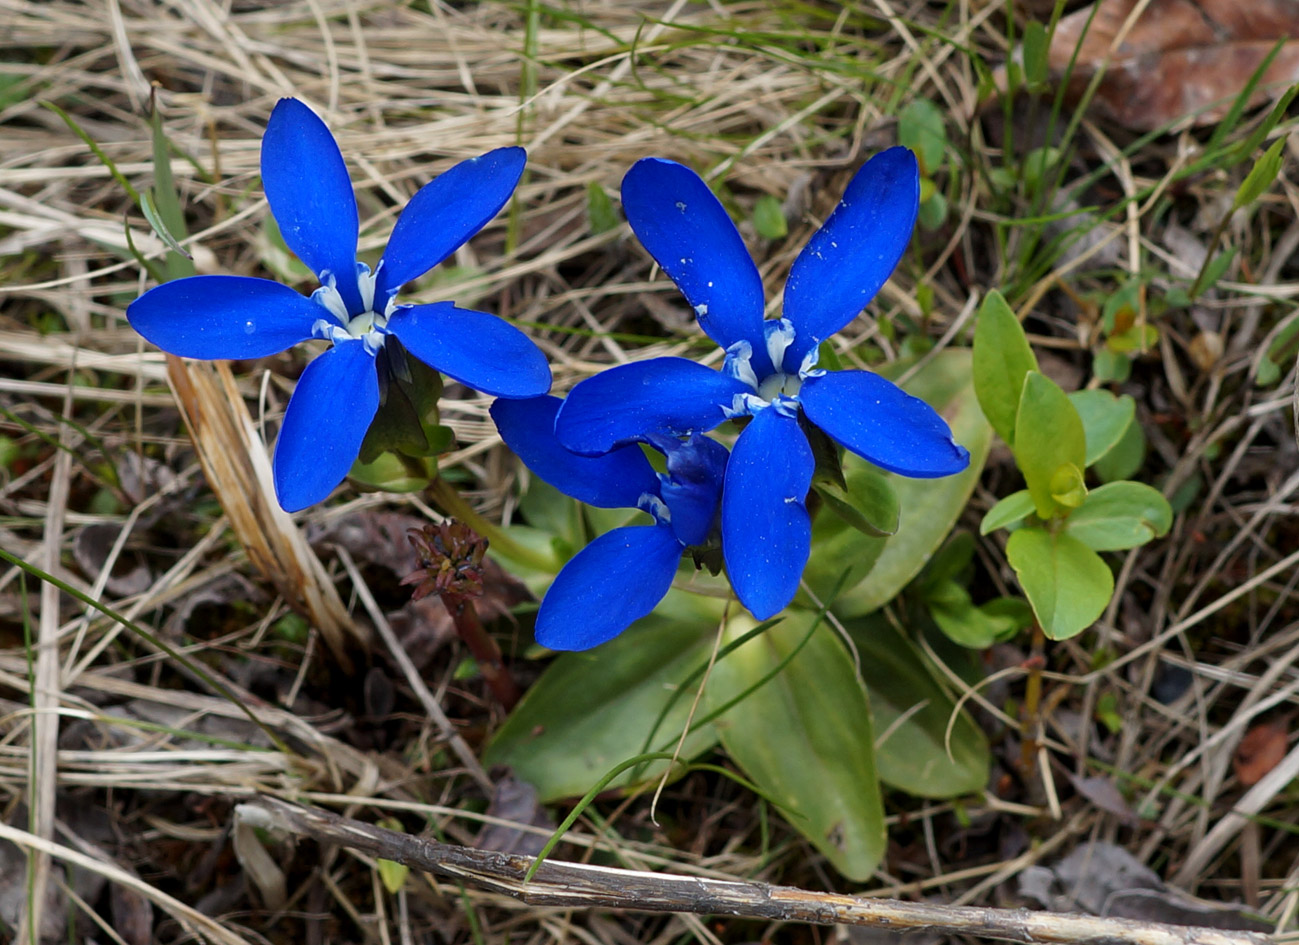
x=809, y=362
x=656, y=507
x=330, y=298
x=739, y=363
x=779, y=336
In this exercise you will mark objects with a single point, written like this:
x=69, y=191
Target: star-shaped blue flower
x=622, y=575
x=770, y=369
x=311, y=198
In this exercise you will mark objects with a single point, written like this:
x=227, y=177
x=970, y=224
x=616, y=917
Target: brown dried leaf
x=1259, y=752
x=1180, y=57
x=515, y=801
x=91, y=548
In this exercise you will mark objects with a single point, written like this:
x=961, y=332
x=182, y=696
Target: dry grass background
x=118, y=765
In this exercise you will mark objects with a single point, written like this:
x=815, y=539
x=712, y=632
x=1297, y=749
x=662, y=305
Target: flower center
x=368, y=325
x=776, y=385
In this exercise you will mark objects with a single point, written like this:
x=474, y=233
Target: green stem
x=445, y=495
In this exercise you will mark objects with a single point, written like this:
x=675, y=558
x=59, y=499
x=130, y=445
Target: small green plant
x=1058, y=525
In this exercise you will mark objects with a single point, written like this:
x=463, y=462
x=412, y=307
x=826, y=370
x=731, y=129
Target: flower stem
x=485, y=651
x=450, y=556
x=1031, y=715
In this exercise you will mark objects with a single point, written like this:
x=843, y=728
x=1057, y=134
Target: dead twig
x=580, y=885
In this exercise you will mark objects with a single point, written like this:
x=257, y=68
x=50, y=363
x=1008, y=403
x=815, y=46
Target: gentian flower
x=622, y=575
x=770, y=373
x=338, y=394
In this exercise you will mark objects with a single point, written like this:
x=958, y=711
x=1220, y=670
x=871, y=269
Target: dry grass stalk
x=582, y=886
x=239, y=472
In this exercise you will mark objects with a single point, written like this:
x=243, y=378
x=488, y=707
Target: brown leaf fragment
x=1180, y=57
x=1102, y=793
x=515, y=801
x=91, y=549
x=1261, y=750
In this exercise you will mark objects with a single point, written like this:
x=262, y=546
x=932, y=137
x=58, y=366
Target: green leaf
x=913, y=714
x=407, y=421
x=1049, y=439
x=1269, y=373
x=591, y=710
x=769, y=218
x=933, y=212
x=867, y=504
x=1009, y=511
x=391, y=873
x=1261, y=176
x=1002, y=358
x=1067, y=583
x=155, y=221
x=928, y=508
x=805, y=737
x=951, y=562
x=976, y=627
x=1119, y=516
x=1214, y=269
x=1105, y=418
x=1111, y=367
x=393, y=472
x=1037, y=164
x=600, y=213
x=1127, y=456
x=921, y=128
x=1035, y=46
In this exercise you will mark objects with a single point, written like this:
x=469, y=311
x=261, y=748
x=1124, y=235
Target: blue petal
x=690, y=235
x=311, y=195
x=693, y=484
x=880, y=422
x=478, y=350
x=615, y=480
x=223, y=317
x=766, y=531
x=634, y=401
x=617, y=579
x=444, y=213
x=852, y=255
x=328, y=415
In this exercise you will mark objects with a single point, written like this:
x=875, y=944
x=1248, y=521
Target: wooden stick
x=581, y=886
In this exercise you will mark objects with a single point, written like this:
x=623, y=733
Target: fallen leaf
x=1103, y=793
x=1180, y=58
x=1261, y=750
x=515, y=801
x=1104, y=879
x=91, y=548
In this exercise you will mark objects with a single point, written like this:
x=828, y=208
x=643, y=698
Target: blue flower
x=770, y=373
x=337, y=397
x=622, y=575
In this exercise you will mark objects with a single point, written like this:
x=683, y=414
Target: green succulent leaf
x=1009, y=511
x=868, y=503
x=1050, y=444
x=925, y=745
x=805, y=736
x=1120, y=515
x=1067, y=583
x=769, y=218
x=928, y=507
x=1002, y=359
x=591, y=710
x=1105, y=418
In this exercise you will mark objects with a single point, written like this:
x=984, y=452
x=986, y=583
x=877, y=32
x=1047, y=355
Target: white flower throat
x=369, y=326
x=777, y=387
